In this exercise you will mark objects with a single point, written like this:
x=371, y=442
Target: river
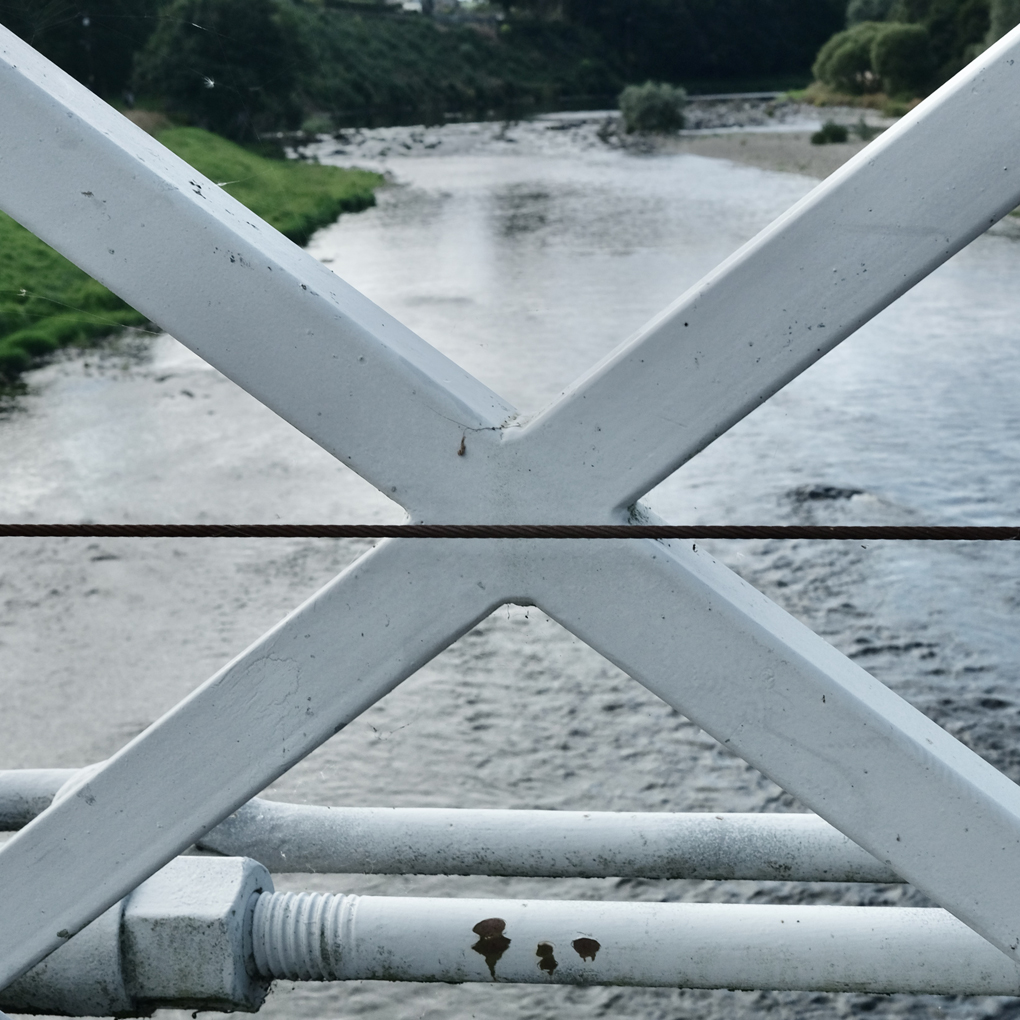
x=526, y=253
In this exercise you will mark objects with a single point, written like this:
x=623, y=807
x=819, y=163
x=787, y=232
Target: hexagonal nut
x=186, y=935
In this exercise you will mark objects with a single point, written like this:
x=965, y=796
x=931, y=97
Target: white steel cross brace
x=381, y=400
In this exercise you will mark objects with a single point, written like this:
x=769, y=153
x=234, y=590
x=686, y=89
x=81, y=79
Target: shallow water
x=526, y=255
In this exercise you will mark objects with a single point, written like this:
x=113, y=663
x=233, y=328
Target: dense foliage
x=844, y=62
x=678, y=40
x=46, y=302
x=652, y=107
x=909, y=47
x=241, y=66
x=901, y=57
x=228, y=64
x=1005, y=14
x=355, y=64
x=874, y=56
x=93, y=40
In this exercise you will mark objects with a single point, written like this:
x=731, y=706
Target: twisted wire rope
x=925, y=533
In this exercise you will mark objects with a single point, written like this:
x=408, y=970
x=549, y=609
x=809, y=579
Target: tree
x=678, y=40
x=901, y=59
x=227, y=65
x=954, y=28
x=844, y=62
x=93, y=40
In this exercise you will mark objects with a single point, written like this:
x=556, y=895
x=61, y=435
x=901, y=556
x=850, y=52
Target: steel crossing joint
x=435, y=440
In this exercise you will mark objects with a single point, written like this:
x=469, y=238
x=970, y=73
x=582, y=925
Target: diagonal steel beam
x=349, y=645
x=898, y=210
x=226, y=284
x=813, y=721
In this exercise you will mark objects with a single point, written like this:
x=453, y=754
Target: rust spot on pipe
x=492, y=943
x=586, y=948
x=463, y=446
x=546, y=960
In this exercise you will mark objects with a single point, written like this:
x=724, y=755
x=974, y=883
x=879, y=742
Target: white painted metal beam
x=899, y=209
x=212, y=934
x=341, y=651
x=181, y=940
x=786, y=701
x=385, y=403
x=26, y=793
x=302, y=936
x=225, y=283
x=547, y=844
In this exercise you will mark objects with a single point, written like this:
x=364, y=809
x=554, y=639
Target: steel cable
x=870, y=533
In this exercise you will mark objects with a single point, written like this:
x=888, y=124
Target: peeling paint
x=492, y=943
x=546, y=960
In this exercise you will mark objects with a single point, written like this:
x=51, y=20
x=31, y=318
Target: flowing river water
x=526, y=254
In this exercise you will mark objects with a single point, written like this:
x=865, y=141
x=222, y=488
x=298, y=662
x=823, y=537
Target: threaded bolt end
x=301, y=936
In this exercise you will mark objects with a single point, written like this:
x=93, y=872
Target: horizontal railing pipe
x=25, y=793
x=210, y=933
x=551, y=844
x=311, y=936
x=540, y=844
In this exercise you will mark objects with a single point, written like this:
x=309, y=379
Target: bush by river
x=46, y=302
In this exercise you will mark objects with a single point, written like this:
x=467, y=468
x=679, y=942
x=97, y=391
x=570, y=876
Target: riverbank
x=789, y=152
x=772, y=133
x=47, y=303
x=785, y=151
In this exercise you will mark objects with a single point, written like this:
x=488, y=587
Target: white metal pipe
x=538, y=844
x=25, y=793
x=553, y=844
x=310, y=936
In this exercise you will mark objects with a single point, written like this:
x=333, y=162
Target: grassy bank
x=296, y=198
x=47, y=303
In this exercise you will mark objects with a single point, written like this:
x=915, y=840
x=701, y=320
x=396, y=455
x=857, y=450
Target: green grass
x=47, y=303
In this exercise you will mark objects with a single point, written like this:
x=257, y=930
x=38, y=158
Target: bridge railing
x=448, y=449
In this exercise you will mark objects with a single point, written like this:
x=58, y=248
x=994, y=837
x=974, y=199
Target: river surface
x=526, y=254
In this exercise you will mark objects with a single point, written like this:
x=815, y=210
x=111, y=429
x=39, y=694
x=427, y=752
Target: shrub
x=901, y=59
x=844, y=62
x=652, y=107
x=830, y=132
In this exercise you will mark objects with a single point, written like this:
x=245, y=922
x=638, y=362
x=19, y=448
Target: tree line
x=907, y=48
x=241, y=66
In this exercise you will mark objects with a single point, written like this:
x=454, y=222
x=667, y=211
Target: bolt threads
x=302, y=936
